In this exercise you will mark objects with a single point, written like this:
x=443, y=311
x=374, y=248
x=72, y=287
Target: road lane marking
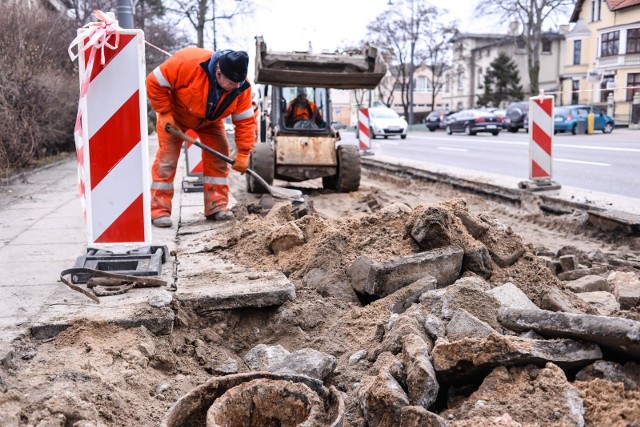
x=582, y=162
x=511, y=142
x=452, y=149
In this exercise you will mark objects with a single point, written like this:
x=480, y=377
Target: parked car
x=338, y=125
x=437, y=119
x=473, y=121
x=385, y=122
x=516, y=116
x=567, y=119
x=500, y=115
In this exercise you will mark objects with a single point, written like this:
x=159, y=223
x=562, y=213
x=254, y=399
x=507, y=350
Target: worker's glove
x=165, y=119
x=241, y=162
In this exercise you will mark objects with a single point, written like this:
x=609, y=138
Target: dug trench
x=416, y=304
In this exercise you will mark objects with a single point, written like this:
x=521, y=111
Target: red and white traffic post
x=364, y=131
x=112, y=148
x=540, y=144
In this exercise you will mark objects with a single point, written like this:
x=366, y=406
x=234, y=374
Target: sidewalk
x=42, y=232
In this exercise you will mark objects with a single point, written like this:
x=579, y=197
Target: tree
x=532, y=15
x=399, y=33
x=438, y=38
x=198, y=14
x=501, y=82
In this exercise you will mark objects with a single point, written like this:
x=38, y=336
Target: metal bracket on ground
x=193, y=186
x=366, y=153
x=146, y=261
x=539, y=185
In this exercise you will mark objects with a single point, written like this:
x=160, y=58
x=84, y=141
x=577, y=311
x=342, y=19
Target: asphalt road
x=604, y=163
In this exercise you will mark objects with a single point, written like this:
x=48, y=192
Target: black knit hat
x=234, y=65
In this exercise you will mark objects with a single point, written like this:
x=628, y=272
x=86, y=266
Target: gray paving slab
x=51, y=236
x=28, y=273
x=23, y=302
x=49, y=252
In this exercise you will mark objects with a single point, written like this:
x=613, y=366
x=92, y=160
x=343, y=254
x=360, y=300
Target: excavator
x=297, y=151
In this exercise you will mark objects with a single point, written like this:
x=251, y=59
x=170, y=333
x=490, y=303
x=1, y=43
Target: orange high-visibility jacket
x=295, y=111
x=181, y=85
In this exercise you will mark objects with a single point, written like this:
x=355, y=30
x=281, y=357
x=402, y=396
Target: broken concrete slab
x=417, y=416
x=628, y=374
x=402, y=299
x=286, y=237
x=465, y=325
x=509, y=295
x=381, y=397
x=604, y=302
x=55, y=318
x=555, y=299
x=581, y=272
x=421, y=382
x=410, y=322
x=504, y=245
x=589, y=283
x=614, y=333
x=478, y=260
x=309, y=362
x=209, y=285
x=381, y=279
x=472, y=298
x=518, y=395
x=469, y=358
x=265, y=357
x=613, y=220
x=568, y=263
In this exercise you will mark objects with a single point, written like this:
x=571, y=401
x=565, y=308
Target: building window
x=633, y=85
x=604, y=92
x=633, y=40
x=546, y=46
x=577, y=51
x=575, y=91
x=596, y=7
x=447, y=83
x=480, y=78
x=609, y=43
x=460, y=78
x=421, y=84
x=520, y=43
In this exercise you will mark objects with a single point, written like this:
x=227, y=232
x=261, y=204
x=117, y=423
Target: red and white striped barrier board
x=193, y=155
x=540, y=137
x=364, y=137
x=111, y=134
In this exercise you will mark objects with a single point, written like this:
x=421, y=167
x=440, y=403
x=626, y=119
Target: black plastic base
x=146, y=261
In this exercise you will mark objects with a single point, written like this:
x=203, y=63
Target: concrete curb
x=605, y=219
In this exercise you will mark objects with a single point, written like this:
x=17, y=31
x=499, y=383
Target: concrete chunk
x=381, y=279
x=589, y=283
x=382, y=398
x=422, y=385
x=604, y=302
x=417, y=416
x=464, y=325
x=464, y=360
x=568, y=263
x=576, y=274
x=621, y=335
x=510, y=295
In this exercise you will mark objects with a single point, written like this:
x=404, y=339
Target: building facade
x=605, y=42
x=463, y=83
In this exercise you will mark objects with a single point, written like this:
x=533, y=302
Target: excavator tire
x=348, y=177
x=263, y=163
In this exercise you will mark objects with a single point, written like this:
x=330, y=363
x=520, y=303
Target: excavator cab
x=297, y=142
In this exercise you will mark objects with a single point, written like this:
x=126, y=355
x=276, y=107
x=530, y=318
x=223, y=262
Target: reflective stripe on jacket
x=181, y=85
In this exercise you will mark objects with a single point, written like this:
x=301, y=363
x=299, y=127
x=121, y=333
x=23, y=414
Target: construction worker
x=196, y=89
x=301, y=109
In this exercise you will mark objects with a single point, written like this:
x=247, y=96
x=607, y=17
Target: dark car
x=567, y=118
x=437, y=119
x=516, y=117
x=338, y=125
x=473, y=121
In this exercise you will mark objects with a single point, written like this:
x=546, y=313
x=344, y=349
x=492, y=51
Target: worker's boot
x=162, y=222
x=220, y=216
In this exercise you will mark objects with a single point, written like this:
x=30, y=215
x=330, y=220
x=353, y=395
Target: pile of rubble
x=471, y=327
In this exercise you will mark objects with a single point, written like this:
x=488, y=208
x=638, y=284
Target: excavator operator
x=303, y=113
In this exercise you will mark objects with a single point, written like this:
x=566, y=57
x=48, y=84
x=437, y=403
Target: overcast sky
x=330, y=24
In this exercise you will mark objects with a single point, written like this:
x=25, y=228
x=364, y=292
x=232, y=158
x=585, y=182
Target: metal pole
x=413, y=44
x=124, y=13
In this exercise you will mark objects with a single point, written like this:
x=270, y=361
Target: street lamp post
x=124, y=13
x=413, y=47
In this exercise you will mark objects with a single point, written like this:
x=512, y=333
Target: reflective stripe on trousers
x=216, y=189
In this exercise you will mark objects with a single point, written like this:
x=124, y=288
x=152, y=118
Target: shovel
x=282, y=193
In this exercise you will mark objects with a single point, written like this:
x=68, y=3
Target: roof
x=614, y=6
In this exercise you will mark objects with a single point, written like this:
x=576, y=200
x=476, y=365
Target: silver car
x=385, y=122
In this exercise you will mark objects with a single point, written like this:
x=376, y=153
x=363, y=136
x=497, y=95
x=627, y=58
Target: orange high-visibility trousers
x=163, y=172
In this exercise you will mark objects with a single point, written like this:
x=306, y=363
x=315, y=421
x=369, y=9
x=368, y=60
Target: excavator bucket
x=355, y=70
